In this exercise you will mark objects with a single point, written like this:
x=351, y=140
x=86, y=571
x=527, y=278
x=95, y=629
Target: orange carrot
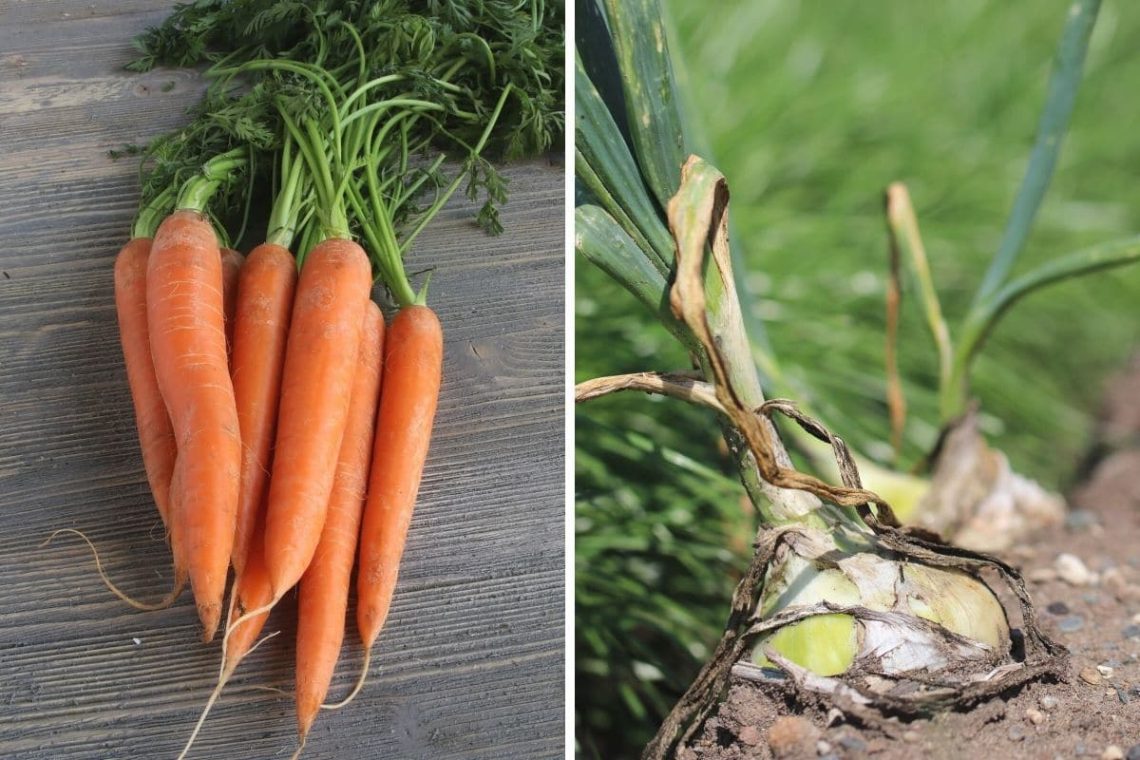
x=316, y=386
x=261, y=326
x=231, y=270
x=413, y=361
x=323, y=597
x=187, y=338
x=156, y=436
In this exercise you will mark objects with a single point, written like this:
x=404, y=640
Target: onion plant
x=845, y=601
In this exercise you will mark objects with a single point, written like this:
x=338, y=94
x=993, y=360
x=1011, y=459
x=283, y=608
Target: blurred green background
x=811, y=109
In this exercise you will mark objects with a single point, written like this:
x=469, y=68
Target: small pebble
x=853, y=744
x=1048, y=702
x=750, y=735
x=1133, y=753
x=1113, y=579
x=1071, y=624
x=1058, y=608
x=1112, y=752
x=137, y=640
x=1036, y=717
x=1104, y=670
x=910, y=736
x=1131, y=631
x=1072, y=570
x=822, y=747
x=791, y=735
x=1016, y=733
x=1090, y=675
x=1136, y=618
x=1080, y=519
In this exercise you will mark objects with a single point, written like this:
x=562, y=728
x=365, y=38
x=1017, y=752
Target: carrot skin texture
x=231, y=271
x=261, y=327
x=323, y=598
x=187, y=338
x=316, y=385
x=413, y=363
x=156, y=435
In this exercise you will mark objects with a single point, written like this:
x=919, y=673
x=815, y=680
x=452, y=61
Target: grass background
x=811, y=109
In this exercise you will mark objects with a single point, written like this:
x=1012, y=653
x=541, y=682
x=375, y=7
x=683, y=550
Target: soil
x=1092, y=713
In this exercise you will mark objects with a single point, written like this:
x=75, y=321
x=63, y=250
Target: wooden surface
x=470, y=664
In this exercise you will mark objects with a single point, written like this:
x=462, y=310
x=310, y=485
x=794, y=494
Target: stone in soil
x=1080, y=519
x=853, y=744
x=791, y=736
x=1071, y=624
x=1091, y=676
x=1073, y=570
x=750, y=735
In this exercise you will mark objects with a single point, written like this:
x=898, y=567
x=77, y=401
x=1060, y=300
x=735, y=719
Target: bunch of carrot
x=283, y=425
x=266, y=439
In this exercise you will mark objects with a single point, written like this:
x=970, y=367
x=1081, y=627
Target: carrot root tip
x=166, y=601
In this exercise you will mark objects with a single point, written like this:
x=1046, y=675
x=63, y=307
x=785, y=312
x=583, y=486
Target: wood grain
x=470, y=664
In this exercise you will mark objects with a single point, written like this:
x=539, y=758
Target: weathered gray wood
x=470, y=664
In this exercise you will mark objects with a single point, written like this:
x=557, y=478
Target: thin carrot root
x=162, y=604
x=355, y=689
x=217, y=692
x=248, y=614
x=300, y=749
x=223, y=678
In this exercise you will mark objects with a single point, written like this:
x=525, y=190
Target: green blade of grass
x=982, y=322
x=1063, y=86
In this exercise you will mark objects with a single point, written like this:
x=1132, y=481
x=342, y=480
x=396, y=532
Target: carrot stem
x=199, y=189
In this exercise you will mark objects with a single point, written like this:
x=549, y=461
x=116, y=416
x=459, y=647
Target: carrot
x=324, y=588
x=231, y=269
x=156, y=436
x=323, y=597
x=261, y=325
x=187, y=337
x=316, y=385
x=413, y=361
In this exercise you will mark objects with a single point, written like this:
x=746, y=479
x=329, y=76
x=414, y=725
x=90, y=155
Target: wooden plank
x=471, y=662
